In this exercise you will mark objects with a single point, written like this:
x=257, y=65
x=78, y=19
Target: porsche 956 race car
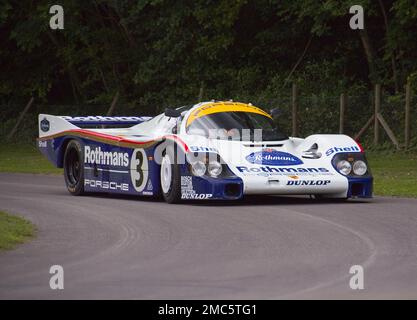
x=211, y=150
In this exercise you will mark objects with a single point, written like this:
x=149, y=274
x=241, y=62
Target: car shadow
x=249, y=200
x=267, y=200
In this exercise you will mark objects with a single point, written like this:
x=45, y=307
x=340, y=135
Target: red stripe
x=124, y=140
x=359, y=145
x=178, y=140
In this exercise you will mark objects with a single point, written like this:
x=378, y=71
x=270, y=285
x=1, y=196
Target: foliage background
x=158, y=53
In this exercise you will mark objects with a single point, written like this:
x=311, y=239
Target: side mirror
x=172, y=113
x=276, y=112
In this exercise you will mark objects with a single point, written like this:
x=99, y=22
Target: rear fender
x=54, y=149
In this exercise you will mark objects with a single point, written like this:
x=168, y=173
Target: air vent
x=264, y=145
x=312, y=152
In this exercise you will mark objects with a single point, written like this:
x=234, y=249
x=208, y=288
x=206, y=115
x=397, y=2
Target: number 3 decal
x=139, y=169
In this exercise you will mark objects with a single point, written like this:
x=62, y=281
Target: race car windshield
x=243, y=126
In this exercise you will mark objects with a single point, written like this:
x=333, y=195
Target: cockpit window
x=236, y=125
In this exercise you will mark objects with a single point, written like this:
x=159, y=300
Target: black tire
x=74, y=168
x=172, y=192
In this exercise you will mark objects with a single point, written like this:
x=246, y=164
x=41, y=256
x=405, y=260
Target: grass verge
x=14, y=230
x=395, y=174
x=24, y=158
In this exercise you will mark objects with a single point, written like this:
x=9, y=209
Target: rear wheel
x=74, y=168
x=170, y=177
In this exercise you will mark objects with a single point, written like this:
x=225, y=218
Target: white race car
x=212, y=150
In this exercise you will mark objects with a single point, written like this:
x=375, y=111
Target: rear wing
x=100, y=120
x=49, y=124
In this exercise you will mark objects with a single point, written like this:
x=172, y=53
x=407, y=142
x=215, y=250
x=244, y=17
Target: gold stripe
x=101, y=139
x=216, y=107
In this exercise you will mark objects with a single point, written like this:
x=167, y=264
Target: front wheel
x=170, y=178
x=74, y=168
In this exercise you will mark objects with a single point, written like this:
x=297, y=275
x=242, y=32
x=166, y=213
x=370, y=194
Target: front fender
x=329, y=144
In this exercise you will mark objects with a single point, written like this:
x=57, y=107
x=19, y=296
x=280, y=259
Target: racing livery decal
x=308, y=182
x=188, y=192
x=267, y=169
x=45, y=125
x=106, y=185
x=139, y=169
x=97, y=156
x=272, y=157
x=342, y=149
x=202, y=149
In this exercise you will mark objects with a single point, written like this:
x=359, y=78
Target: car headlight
x=344, y=167
x=198, y=168
x=215, y=168
x=360, y=167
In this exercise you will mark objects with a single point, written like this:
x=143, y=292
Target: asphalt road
x=262, y=248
